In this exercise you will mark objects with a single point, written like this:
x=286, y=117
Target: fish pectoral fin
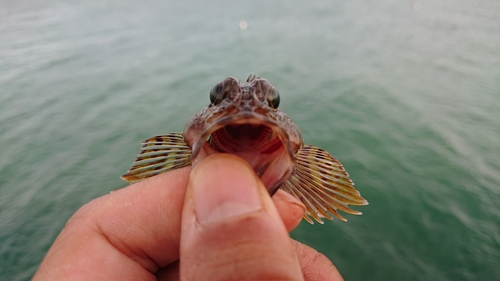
x=158, y=155
x=322, y=184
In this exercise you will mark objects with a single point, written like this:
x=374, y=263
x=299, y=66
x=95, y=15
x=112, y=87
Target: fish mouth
x=258, y=139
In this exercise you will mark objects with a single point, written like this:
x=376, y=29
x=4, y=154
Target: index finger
x=125, y=235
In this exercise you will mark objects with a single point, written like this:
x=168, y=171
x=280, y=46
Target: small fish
x=244, y=119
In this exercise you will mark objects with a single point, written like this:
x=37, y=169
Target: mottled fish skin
x=244, y=119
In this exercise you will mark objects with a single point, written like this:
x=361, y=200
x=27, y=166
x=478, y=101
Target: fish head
x=243, y=119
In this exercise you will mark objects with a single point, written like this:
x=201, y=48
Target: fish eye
x=216, y=94
x=274, y=98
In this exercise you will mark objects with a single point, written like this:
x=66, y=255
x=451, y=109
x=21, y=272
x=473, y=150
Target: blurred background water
x=406, y=94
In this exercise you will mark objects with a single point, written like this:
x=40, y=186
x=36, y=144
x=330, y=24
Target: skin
x=213, y=222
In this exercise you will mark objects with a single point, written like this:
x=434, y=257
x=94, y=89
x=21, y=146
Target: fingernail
x=287, y=197
x=223, y=187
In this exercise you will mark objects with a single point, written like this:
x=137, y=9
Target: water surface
x=405, y=94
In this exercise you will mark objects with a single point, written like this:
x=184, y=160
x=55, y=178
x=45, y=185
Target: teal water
x=405, y=94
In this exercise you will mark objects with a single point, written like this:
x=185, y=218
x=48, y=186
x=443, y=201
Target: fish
x=244, y=119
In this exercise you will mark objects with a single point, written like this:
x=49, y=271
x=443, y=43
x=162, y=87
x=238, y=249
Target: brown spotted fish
x=244, y=119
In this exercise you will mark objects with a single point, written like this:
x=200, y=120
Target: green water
x=405, y=94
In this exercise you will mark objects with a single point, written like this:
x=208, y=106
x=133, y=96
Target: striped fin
x=158, y=155
x=322, y=184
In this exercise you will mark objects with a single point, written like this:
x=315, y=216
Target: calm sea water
x=405, y=93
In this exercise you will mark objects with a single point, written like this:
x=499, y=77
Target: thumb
x=231, y=229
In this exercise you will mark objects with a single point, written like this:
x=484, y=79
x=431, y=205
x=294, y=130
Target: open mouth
x=258, y=140
x=244, y=138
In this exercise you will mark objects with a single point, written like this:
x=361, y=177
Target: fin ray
x=322, y=184
x=159, y=154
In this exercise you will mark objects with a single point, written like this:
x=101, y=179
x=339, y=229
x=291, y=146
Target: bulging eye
x=216, y=94
x=274, y=98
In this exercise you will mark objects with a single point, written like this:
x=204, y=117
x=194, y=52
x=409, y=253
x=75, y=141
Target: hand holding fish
x=229, y=229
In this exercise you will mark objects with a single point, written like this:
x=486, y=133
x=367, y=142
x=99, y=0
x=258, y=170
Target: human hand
x=229, y=229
